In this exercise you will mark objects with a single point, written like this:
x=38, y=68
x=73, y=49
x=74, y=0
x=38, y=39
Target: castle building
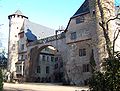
x=20, y=33
x=64, y=56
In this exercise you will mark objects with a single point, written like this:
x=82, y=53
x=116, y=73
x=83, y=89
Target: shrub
x=1, y=80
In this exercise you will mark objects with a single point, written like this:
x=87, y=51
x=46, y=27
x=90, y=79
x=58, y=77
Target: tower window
x=21, y=35
x=13, y=47
x=22, y=47
x=18, y=15
x=15, y=35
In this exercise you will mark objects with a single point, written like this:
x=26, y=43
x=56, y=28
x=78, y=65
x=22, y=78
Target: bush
x=109, y=80
x=1, y=80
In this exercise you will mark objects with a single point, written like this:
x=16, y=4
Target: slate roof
x=38, y=30
x=30, y=36
x=84, y=8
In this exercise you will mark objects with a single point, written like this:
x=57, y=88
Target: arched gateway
x=45, y=59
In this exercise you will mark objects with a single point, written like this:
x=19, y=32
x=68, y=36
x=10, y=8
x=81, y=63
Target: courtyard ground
x=40, y=87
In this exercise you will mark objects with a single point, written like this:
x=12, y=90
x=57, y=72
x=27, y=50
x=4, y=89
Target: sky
x=50, y=13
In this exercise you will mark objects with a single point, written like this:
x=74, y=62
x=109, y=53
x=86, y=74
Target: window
x=15, y=35
x=20, y=67
x=56, y=59
x=21, y=35
x=61, y=64
x=52, y=59
x=25, y=56
x=82, y=52
x=43, y=57
x=80, y=19
x=47, y=58
x=86, y=68
x=47, y=69
x=38, y=69
x=17, y=68
x=46, y=49
x=56, y=66
x=13, y=47
x=22, y=57
x=23, y=68
x=22, y=47
x=73, y=36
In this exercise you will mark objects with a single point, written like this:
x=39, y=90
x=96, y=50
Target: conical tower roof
x=18, y=12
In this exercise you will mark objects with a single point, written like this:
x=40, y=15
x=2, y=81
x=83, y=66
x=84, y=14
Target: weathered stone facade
x=82, y=39
x=84, y=34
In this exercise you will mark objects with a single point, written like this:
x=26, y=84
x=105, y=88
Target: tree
x=1, y=81
x=109, y=78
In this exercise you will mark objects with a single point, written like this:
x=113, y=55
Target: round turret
x=16, y=24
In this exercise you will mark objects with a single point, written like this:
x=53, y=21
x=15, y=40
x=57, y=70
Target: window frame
x=82, y=52
x=86, y=67
x=73, y=36
x=47, y=69
x=80, y=19
x=22, y=46
x=43, y=57
x=38, y=69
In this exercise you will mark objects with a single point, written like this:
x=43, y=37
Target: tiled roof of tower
x=18, y=12
x=84, y=8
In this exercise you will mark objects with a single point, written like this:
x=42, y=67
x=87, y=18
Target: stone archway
x=46, y=64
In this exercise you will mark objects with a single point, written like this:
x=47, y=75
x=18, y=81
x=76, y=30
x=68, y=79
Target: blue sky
x=50, y=13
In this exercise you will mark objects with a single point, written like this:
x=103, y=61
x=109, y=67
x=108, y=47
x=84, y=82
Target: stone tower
x=104, y=11
x=15, y=24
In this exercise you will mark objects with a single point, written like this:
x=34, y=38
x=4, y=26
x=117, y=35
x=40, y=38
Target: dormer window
x=80, y=19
